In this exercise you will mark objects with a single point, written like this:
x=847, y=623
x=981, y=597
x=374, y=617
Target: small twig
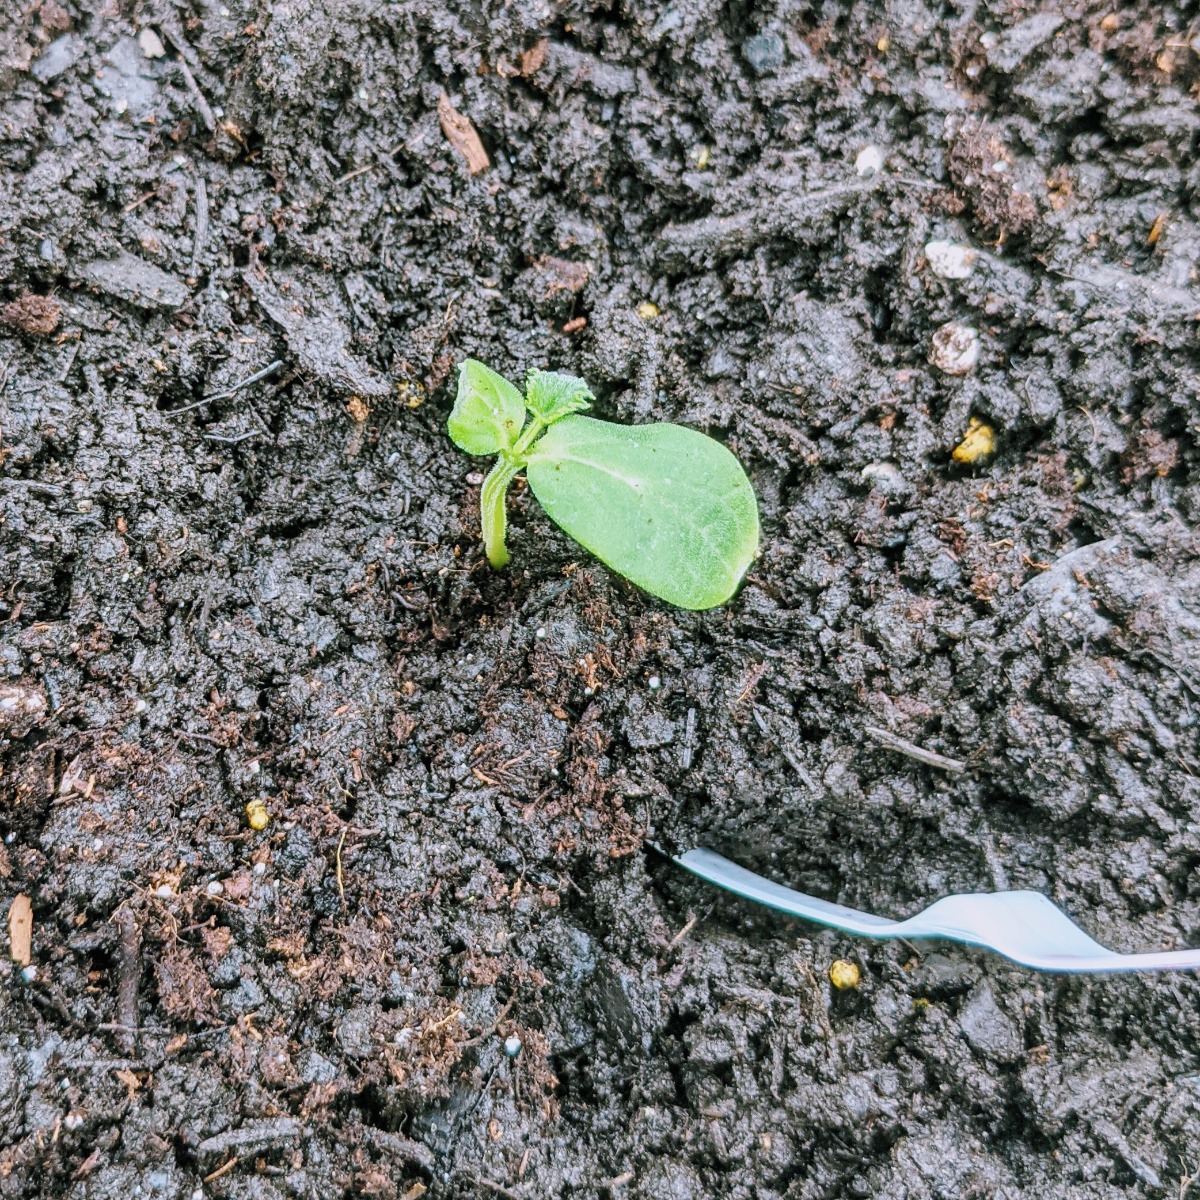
x=338, y=860
x=688, y=927
x=72, y=354
x=202, y=105
x=140, y=200
x=354, y=174
x=793, y=761
x=201, y=237
x=106, y=1064
x=231, y=441
x=498, y=1188
x=269, y=369
x=617, y=1181
x=201, y=737
x=174, y=412
x=129, y=977
x=223, y=1169
x=689, y=741
x=383, y=156
x=486, y=1033
x=931, y=758
x=157, y=1030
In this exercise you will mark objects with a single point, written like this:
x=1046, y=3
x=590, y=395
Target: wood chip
x=132, y=1083
x=20, y=929
x=460, y=133
x=533, y=59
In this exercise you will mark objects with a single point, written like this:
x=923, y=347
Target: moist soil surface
x=337, y=845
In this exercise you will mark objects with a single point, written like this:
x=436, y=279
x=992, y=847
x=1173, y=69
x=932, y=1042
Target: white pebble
x=955, y=349
x=216, y=888
x=885, y=477
x=72, y=1121
x=949, y=260
x=512, y=1045
x=587, y=691
x=260, y=869
x=164, y=891
x=540, y=633
x=29, y=974
x=139, y=705
x=151, y=43
x=869, y=161
x=654, y=682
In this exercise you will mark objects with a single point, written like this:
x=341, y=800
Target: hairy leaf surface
x=551, y=395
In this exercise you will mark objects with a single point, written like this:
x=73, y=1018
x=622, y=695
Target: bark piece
x=460, y=133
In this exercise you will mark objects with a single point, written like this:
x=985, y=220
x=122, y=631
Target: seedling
x=665, y=506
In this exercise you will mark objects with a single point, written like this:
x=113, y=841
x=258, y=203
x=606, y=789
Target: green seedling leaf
x=488, y=411
x=551, y=396
x=665, y=506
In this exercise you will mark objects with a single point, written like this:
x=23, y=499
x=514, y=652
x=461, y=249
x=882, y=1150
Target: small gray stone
x=60, y=56
x=354, y=1034
x=765, y=52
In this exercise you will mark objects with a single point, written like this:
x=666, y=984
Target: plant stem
x=527, y=435
x=492, y=515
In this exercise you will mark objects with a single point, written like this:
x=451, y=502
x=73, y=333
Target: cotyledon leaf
x=488, y=411
x=665, y=506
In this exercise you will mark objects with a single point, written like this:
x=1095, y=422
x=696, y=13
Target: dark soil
x=273, y=595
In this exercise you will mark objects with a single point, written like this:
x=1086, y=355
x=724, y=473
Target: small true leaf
x=488, y=411
x=665, y=506
x=552, y=396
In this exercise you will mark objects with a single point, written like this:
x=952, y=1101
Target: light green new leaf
x=667, y=507
x=551, y=395
x=488, y=411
